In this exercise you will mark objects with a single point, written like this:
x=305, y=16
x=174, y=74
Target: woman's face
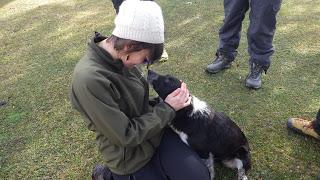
x=135, y=58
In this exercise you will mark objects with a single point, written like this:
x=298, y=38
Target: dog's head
x=163, y=84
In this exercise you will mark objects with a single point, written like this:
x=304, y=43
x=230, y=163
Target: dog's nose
x=152, y=76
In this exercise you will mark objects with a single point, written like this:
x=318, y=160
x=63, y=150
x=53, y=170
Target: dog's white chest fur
x=183, y=136
x=199, y=106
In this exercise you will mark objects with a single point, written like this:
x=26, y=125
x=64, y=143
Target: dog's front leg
x=236, y=164
x=242, y=174
x=210, y=165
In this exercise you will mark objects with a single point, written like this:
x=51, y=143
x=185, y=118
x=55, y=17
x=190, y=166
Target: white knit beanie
x=140, y=21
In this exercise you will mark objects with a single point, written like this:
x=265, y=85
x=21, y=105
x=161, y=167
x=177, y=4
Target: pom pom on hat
x=140, y=21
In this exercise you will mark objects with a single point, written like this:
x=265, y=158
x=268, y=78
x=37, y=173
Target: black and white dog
x=213, y=135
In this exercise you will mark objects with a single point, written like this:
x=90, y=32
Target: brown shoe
x=302, y=126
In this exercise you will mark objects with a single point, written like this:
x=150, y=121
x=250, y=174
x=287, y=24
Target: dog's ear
x=318, y=115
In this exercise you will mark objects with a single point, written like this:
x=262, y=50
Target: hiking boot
x=100, y=172
x=302, y=126
x=220, y=63
x=253, y=79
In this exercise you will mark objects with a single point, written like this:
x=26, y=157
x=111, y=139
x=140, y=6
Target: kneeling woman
x=113, y=97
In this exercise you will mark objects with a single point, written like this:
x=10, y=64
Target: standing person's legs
x=260, y=36
x=261, y=30
x=179, y=161
x=229, y=34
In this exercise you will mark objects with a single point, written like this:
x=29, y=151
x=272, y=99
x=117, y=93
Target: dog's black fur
x=208, y=132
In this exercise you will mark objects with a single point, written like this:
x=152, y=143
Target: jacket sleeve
x=96, y=99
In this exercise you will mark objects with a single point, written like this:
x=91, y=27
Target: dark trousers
x=260, y=32
x=173, y=160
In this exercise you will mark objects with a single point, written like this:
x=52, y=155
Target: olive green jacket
x=114, y=102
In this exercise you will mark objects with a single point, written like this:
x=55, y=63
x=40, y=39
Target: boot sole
x=215, y=72
x=252, y=86
x=291, y=127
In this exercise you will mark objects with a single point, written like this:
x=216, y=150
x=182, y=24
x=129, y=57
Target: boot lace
x=256, y=70
x=222, y=58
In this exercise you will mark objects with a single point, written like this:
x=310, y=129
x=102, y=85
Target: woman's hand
x=179, y=98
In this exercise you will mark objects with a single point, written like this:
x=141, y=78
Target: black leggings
x=173, y=160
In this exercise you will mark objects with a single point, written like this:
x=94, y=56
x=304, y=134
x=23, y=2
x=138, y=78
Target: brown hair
x=156, y=50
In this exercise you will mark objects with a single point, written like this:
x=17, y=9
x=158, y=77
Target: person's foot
x=100, y=172
x=220, y=63
x=164, y=56
x=253, y=79
x=302, y=126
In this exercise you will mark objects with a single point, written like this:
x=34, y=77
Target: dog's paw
x=242, y=175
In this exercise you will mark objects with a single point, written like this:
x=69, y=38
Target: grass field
x=42, y=137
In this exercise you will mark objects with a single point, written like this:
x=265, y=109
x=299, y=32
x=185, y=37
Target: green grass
x=42, y=137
